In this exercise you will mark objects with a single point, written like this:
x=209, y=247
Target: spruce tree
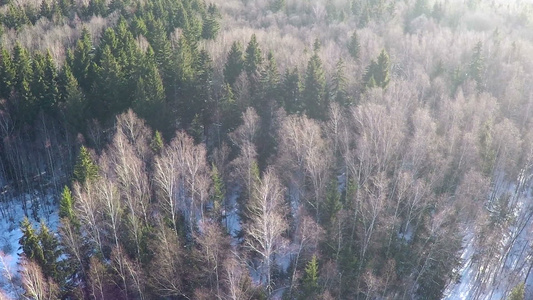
x=29, y=242
x=234, y=64
x=314, y=89
x=219, y=192
x=73, y=104
x=82, y=60
x=7, y=73
x=291, y=91
x=85, y=169
x=51, y=253
x=378, y=72
x=210, y=26
x=66, y=209
x=310, y=279
x=339, y=85
x=354, y=48
x=270, y=80
x=477, y=65
x=157, y=142
x=253, y=58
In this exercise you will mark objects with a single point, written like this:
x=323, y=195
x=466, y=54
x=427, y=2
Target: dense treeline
x=239, y=150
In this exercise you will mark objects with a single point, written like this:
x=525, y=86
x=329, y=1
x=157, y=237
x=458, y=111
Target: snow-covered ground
x=13, y=214
x=512, y=266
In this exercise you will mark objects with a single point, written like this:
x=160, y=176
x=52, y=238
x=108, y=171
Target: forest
x=266, y=149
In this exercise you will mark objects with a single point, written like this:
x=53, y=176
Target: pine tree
x=85, y=168
x=314, y=90
x=234, y=64
x=354, y=48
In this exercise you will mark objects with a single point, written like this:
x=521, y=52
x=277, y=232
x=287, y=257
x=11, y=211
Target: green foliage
x=219, y=190
x=252, y=58
x=291, y=91
x=29, y=242
x=157, y=142
x=333, y=204
x=315, y=89
x=85, y=169
x=234, y=64
x=81, y=60
x=518, y=292
x=51, y=253
x=73, y=103
x=270, y=80
x=477, y=66
x=310, y=279
x=277, y=5
x=339, y=86
x=378, y=72
x=7, y=73
x=210, y=25
x=65, y=204
x=354, y=47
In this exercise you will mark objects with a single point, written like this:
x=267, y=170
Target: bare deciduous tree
x=35, y=284
x=267, y=222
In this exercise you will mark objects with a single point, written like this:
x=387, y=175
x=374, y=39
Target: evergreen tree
x=339, y=85
x=51, y=92
x=270, y=80
x=354, y=48
x=231, y=114
x=29, y=242
x=82, y=60
x=149, y=95
x=314, y=89
x=73, y=104
x=66, y=209
x=157, y=142
x=108, y=95
x=210, y=25
x=253, y=58
x=291, y=91
x=7, y=73
x=219, y=192
x=310, y=279
x=51, y=253
x=378, y=72
x=477, y=66
x=234, y=64
x=518, y=292
x=85, y=169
